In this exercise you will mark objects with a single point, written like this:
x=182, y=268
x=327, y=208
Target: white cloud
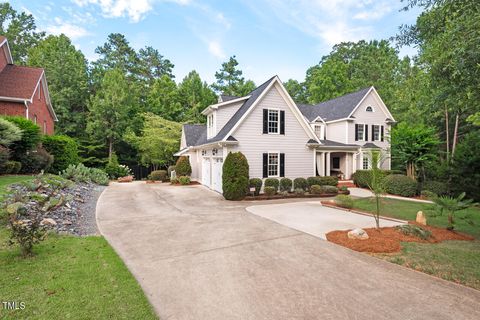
x=70, y=30
x=331, y=21
x=215, y=48
x=134, y=9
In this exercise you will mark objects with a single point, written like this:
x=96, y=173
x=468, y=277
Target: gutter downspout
x=26, y=109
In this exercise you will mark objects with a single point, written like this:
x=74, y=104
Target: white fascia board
x=220, y=104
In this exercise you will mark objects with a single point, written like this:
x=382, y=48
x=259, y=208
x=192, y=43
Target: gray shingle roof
x=240, y=112
x=225, y=98
x=371, y=145
x=334, y=109
x=193, y=133
x=330, y=143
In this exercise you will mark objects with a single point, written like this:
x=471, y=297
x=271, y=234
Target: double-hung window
x=376, y=133
x=273, y=164
x=360, y=134
x=366, y=163
x=273, y=121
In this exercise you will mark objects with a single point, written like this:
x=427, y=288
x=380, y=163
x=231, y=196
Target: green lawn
x=457, y=261
x=69, y=278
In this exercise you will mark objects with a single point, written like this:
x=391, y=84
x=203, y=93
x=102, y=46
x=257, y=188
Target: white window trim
x=363, y=134
x=278, y=120
x=322, y=130
x=278, y=164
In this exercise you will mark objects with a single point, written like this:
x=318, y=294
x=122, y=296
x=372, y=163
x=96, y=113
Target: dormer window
x=210, y=125
x=369, y=109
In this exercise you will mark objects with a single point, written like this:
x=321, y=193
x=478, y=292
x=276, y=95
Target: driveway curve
x=198, y=256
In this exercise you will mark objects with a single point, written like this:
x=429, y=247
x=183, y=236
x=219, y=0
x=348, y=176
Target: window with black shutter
x=282, y=164
x=282, y=122
x=381, y=133
x=265, y=121
x=265, y=165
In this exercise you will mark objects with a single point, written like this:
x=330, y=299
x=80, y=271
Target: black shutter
x=366, y=131
x=282, y=122
x=265, y=121
x=373, y=130
x=282, y=164
x=265, y=165
x=381, y=133
x=356, y=132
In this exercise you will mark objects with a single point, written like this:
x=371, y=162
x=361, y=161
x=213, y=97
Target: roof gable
x=18, y=82
x=334, y=109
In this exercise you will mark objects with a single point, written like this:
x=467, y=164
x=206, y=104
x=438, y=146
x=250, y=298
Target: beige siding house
x=281, y=138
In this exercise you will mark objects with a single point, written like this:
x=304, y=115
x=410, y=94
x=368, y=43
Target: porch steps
x=346, y=183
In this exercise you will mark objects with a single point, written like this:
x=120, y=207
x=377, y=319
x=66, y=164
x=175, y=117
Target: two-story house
x=24, y=91
x=281, y=138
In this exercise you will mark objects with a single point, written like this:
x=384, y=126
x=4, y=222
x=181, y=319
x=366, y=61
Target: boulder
x=48, y=222
x=421, y=219
x=358, y=234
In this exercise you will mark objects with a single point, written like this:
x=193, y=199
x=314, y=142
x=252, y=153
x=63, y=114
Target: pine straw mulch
x=388, y=239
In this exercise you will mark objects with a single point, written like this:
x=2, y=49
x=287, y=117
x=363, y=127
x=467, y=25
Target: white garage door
x=206, y=172
x=217, y=167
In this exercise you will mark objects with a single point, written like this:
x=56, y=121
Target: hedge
x=158, y=175
x=286, y=184
x=183, y=168
x=31, y=136
x=437, y=187
x=400, y=185
x=300, y=183
x=257, y=184
x=272, y=182
x=363, y=178
x=234, y=176
x=64, y=151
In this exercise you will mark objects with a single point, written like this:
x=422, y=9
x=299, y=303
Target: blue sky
x=268, y=36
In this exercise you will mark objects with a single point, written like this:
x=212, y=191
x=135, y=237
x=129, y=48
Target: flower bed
x=388, y=239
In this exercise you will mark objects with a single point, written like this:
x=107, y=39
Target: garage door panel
x=217, y=168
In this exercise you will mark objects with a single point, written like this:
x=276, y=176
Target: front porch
x=339, y=163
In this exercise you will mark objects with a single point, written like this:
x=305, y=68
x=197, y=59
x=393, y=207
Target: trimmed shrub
x=31, y=136
x=329, y=189
x=270, y=191
x=183, y=167
x=64, y=151
x=299, y=191
x=313, y=181
x=234, y=176
x=272, y=182
x=436, y=187
x=400, y=185
x=344, y=201
x=174, y=181
x=257, y=184
x=328, y=181
x=300, y=183
x=36, y=161
x=428, y=194
x=363, y=178
x=184, y=180
x=158, y=175
x=286, y=184
x=316, y=189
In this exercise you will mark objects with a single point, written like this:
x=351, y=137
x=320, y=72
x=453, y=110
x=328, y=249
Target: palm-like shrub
x=451, y=205
x=234, y=176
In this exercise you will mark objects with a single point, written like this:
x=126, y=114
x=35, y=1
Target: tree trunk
x=455, y=135
x=110, y=148
x=411, y=170
x=447, y=133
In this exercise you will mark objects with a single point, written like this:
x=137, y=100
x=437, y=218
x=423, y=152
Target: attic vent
x=369, y=109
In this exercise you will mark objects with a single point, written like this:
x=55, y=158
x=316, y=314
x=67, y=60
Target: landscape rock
x=48, y=222
x=125, y=179
x=421, y=219
x=358, y=234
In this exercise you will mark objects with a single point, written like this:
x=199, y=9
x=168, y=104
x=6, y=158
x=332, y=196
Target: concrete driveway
x=197, y=256
x=313, y=218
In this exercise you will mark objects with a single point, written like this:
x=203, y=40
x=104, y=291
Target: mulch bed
x=388, y=239
x=293, y=195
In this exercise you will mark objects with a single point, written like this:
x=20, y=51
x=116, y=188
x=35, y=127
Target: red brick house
x=24, y=91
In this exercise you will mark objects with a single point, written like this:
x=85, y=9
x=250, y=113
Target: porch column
x=347, y=165
x=327, y=154
x=354, y=165
x=322, y=167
